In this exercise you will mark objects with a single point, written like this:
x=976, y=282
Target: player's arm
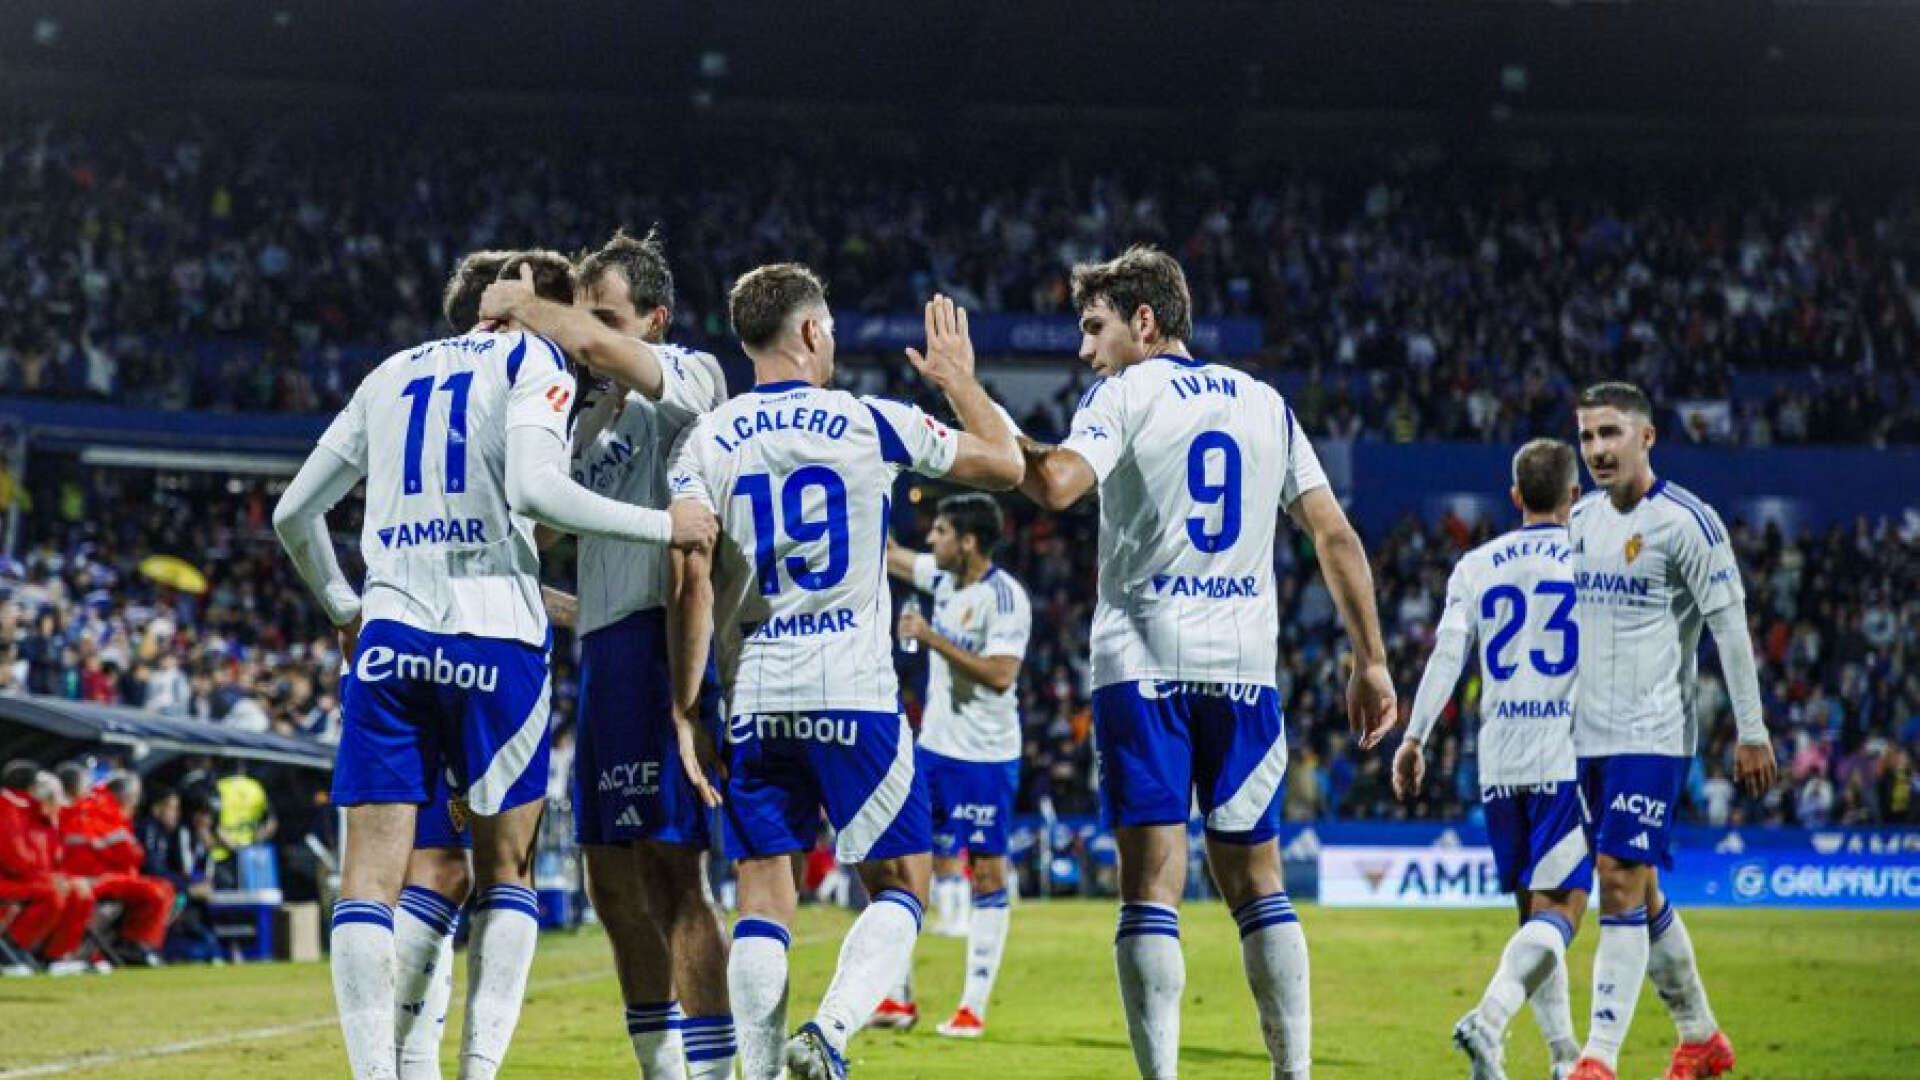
x=997, y=673
x=1712, y=575
x=900, y=561
x=563, y=608
x=1371, y=707
x=987, y=456
x=1451, y=641
x=300, y=521
x=1056, y=477
x=689, y=637
x=629, y=361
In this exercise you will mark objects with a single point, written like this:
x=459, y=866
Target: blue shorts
x=416, y=703
x=1539, y=836
x=1159, y=744
x=433, y=826
x=628, y=782
x=1631, y=799
x=784, y=768
x=972, y=802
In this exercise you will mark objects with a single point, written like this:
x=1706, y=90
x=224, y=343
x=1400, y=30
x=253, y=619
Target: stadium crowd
x=1834, y=617
x=193, y=262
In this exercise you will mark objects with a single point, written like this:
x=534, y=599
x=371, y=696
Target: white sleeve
x=1451, y=640
x=1009, y=624
x=539, y=487
x=1738, y=668
x=1705, y=559
x=1098, y=432
x=691, y=383
x=539, y=387
x=910, y=439
x=300, y=520
x=1303, y=464
x=347, y=435
x=686, y=479
x=925, y=572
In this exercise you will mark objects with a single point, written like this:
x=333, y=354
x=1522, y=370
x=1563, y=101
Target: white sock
x=1553, y=1014
x=711, y=1046
x=506, y=926
x=423, y=966
x=1273, y=949
x=946, y=898
x=1534, y=950
x=757, y=987
x=1153, y=974
x=655, y=1031
x=1676, y=976
x=362, y=943
x=904, y=992
x=1619, y=967
x=962, y=903
x=877, y=951
x=986, y=943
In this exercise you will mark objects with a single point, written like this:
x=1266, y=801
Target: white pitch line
x=187, y=1046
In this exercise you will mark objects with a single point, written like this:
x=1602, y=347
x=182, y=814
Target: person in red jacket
x=97, y=833
x=55, y=907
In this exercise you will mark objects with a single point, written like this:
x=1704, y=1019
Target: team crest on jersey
x=1634, y=544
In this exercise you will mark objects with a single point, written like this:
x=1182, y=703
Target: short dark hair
x=975, y=514
x=73, y=777
x=767, y=296
x=460, y=304
x=18, y=775
x=119, y=781
x=1544, y=470
x=642, y=260
x=1616, y=395
x=552, y=273
x=1141, y=275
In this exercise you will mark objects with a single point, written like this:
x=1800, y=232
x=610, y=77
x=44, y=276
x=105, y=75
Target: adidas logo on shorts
x=1639, y=842
x=629, y=818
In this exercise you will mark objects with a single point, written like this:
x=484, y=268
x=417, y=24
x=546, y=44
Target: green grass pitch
x=1803, y=995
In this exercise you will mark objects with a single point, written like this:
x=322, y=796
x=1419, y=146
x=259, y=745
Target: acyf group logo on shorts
x=377, y=663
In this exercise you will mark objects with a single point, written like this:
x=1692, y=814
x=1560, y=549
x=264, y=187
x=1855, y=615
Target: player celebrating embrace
x=1514, y=595
x=463, y=446
x=970, y=732
x=1652, y=564
x=801, y=477
x=1194, y=463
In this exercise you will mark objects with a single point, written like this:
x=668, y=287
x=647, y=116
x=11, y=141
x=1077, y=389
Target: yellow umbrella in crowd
x=174, y=572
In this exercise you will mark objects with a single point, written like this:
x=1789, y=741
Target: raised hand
x=949, y=355
x=505, y=295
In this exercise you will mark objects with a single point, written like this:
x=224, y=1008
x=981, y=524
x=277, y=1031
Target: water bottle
x=910, y=645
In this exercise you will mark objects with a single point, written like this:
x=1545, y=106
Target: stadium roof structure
x=48, y=728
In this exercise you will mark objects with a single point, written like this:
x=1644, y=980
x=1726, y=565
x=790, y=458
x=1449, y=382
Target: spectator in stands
x=96, y=828
x=246, y=819
x=57, y=907
x=177, y=852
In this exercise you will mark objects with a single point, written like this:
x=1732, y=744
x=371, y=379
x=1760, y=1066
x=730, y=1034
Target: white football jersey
x=1513, y=597
x=1196, y=462
x=990, y=617
x=626, y=457
x=444, y=552
x=1648, y=578
x=801, y=478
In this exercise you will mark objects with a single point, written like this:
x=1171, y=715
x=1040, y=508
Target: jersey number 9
x=1208, y=449
x=799, y=529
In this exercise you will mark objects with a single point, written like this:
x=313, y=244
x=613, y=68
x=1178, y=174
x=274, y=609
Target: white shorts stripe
x=876, y=815
x=1559, y=861
x=510, y=761
x=1244, y=810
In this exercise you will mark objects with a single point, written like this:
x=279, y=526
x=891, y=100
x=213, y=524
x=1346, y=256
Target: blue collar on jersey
x=1183, y=361
x=781, y=387
x=1659, y=486
x=1541, y=525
